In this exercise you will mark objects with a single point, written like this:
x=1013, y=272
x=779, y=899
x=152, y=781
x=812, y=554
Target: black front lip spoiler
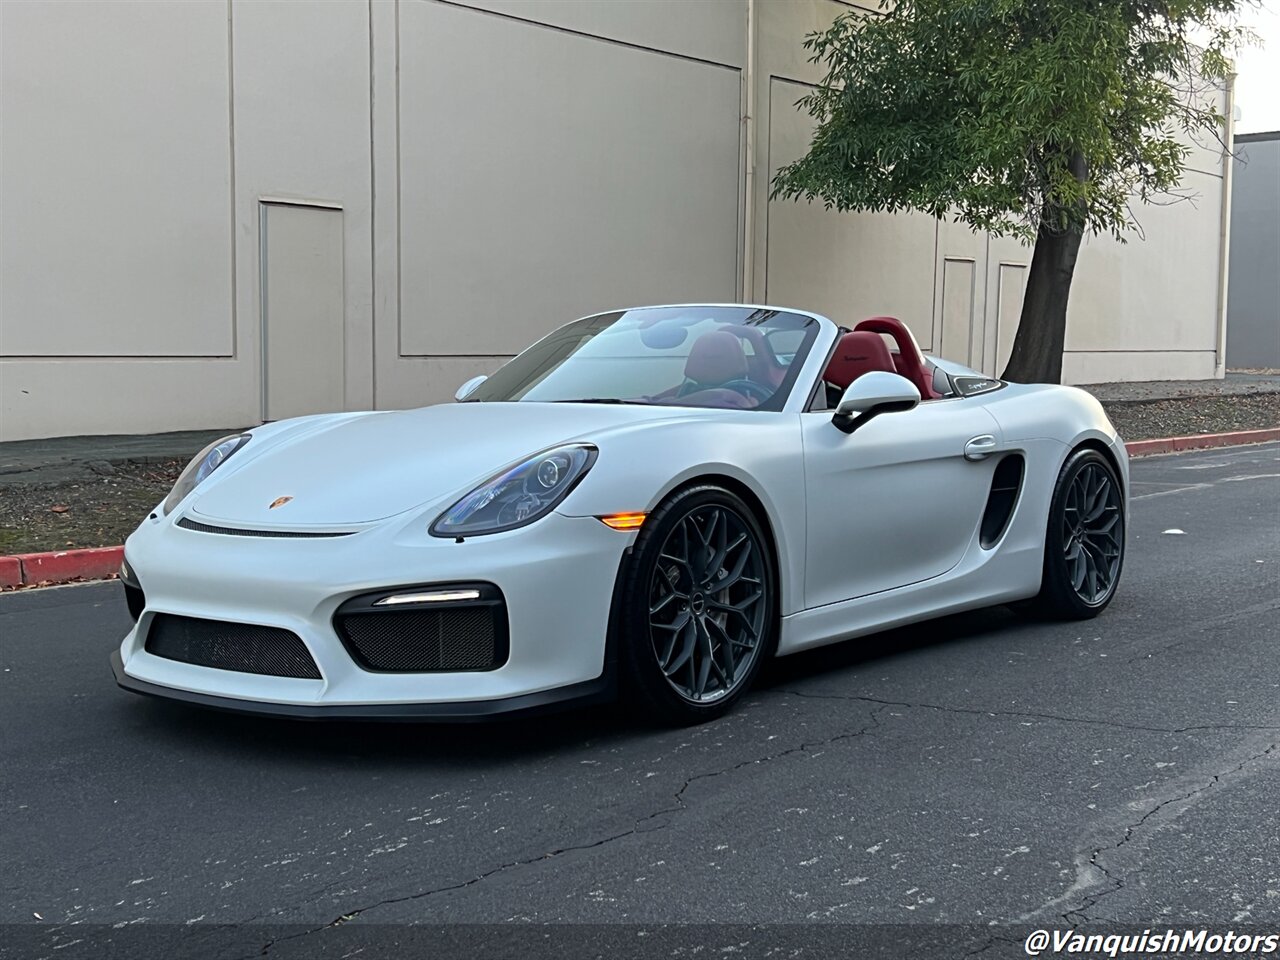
x=601, y=689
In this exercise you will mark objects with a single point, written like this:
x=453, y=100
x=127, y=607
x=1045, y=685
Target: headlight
x=205, y=462
x=519, y=495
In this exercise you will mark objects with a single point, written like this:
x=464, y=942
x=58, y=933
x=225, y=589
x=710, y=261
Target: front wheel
x=1084, y=540
x=698, y=607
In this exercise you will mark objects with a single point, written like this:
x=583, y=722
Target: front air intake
x=223, y=645
x=463, y=635
x=1005, y=486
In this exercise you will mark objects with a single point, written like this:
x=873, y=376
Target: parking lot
x=975, y=770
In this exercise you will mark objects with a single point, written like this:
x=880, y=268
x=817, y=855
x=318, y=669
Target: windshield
x=728, y=357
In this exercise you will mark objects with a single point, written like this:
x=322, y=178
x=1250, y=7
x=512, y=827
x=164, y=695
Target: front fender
x=637, y=469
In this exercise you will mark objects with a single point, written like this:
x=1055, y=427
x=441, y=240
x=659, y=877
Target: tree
x=1041, y=119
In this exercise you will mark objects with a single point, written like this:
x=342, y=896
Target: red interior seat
x=857, y=353
x=762, y=364
x=909, y=359
x=715, y=359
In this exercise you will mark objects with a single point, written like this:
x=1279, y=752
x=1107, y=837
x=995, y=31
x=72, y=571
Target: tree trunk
x=1042, y=328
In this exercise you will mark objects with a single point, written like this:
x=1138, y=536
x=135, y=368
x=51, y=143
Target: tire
x=1084, y=540
x=690, y=648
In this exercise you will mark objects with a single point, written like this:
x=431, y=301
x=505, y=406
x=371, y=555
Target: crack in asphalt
x=880, y=705
x=1099, y=853
x=991, y=942
x=638, y=827
x=974, y=711
x=1077, y=914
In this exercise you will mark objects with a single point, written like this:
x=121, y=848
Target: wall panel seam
x=114, y=357
x=399, y=194
x=458, y=356
x=1149, y=351
x=231, y=149
x=373, y=234
x=582, y=33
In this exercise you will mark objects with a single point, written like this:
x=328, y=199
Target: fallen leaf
x=59, y=508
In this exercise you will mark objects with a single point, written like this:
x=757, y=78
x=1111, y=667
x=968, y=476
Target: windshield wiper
x=640, y=403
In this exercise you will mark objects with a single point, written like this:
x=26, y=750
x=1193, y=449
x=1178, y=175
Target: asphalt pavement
x=975, y=775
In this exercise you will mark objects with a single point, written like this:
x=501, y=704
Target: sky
x=1258, y=72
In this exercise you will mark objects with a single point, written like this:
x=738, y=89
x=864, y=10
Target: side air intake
x=1005, y=486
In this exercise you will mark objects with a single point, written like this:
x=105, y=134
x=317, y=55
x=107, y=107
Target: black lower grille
x=244, y=647
x=468, y=636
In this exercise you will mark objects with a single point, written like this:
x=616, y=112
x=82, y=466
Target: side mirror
x=872, y=394
x=467, y=388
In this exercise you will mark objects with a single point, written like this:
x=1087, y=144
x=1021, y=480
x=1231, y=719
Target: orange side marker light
x=623, y=521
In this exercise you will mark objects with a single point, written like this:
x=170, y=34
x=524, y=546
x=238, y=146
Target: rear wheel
x=698, y=607
x=1084, y=540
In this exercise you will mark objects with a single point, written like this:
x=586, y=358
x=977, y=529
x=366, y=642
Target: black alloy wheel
x=1084, y=540
x=699, y=606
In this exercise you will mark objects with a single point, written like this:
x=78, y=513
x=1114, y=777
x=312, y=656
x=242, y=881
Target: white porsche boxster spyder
x=648, y=502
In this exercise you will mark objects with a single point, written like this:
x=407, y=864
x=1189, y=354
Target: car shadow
x=828, y=662
x=592, y=729
x=379, y=743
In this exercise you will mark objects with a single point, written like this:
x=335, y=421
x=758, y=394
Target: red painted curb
x=62, y=566
x=1202, y=441
x=10, y=572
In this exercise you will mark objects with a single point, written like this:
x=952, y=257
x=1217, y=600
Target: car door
x=895, y=502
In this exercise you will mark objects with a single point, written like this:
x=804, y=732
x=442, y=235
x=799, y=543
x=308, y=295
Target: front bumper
x=578, y=694
x=558, y=577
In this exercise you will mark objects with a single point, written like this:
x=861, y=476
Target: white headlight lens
x=517, y=496
x=205, y=462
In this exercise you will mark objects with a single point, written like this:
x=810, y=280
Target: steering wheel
x=750, y=389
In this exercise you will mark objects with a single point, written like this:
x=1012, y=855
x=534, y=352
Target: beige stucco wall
x=139, y=139
x=492, y=168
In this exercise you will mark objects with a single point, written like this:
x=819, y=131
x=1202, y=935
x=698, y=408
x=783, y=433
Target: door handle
x=979, y=448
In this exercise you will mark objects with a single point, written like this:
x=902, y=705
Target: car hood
x=349, y=469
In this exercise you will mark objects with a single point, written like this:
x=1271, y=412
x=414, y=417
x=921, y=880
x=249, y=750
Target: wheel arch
x=1109, y=454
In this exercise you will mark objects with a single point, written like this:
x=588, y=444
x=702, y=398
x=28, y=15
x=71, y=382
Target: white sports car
x=648, y=502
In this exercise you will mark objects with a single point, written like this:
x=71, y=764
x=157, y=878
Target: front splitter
x=602, y=689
